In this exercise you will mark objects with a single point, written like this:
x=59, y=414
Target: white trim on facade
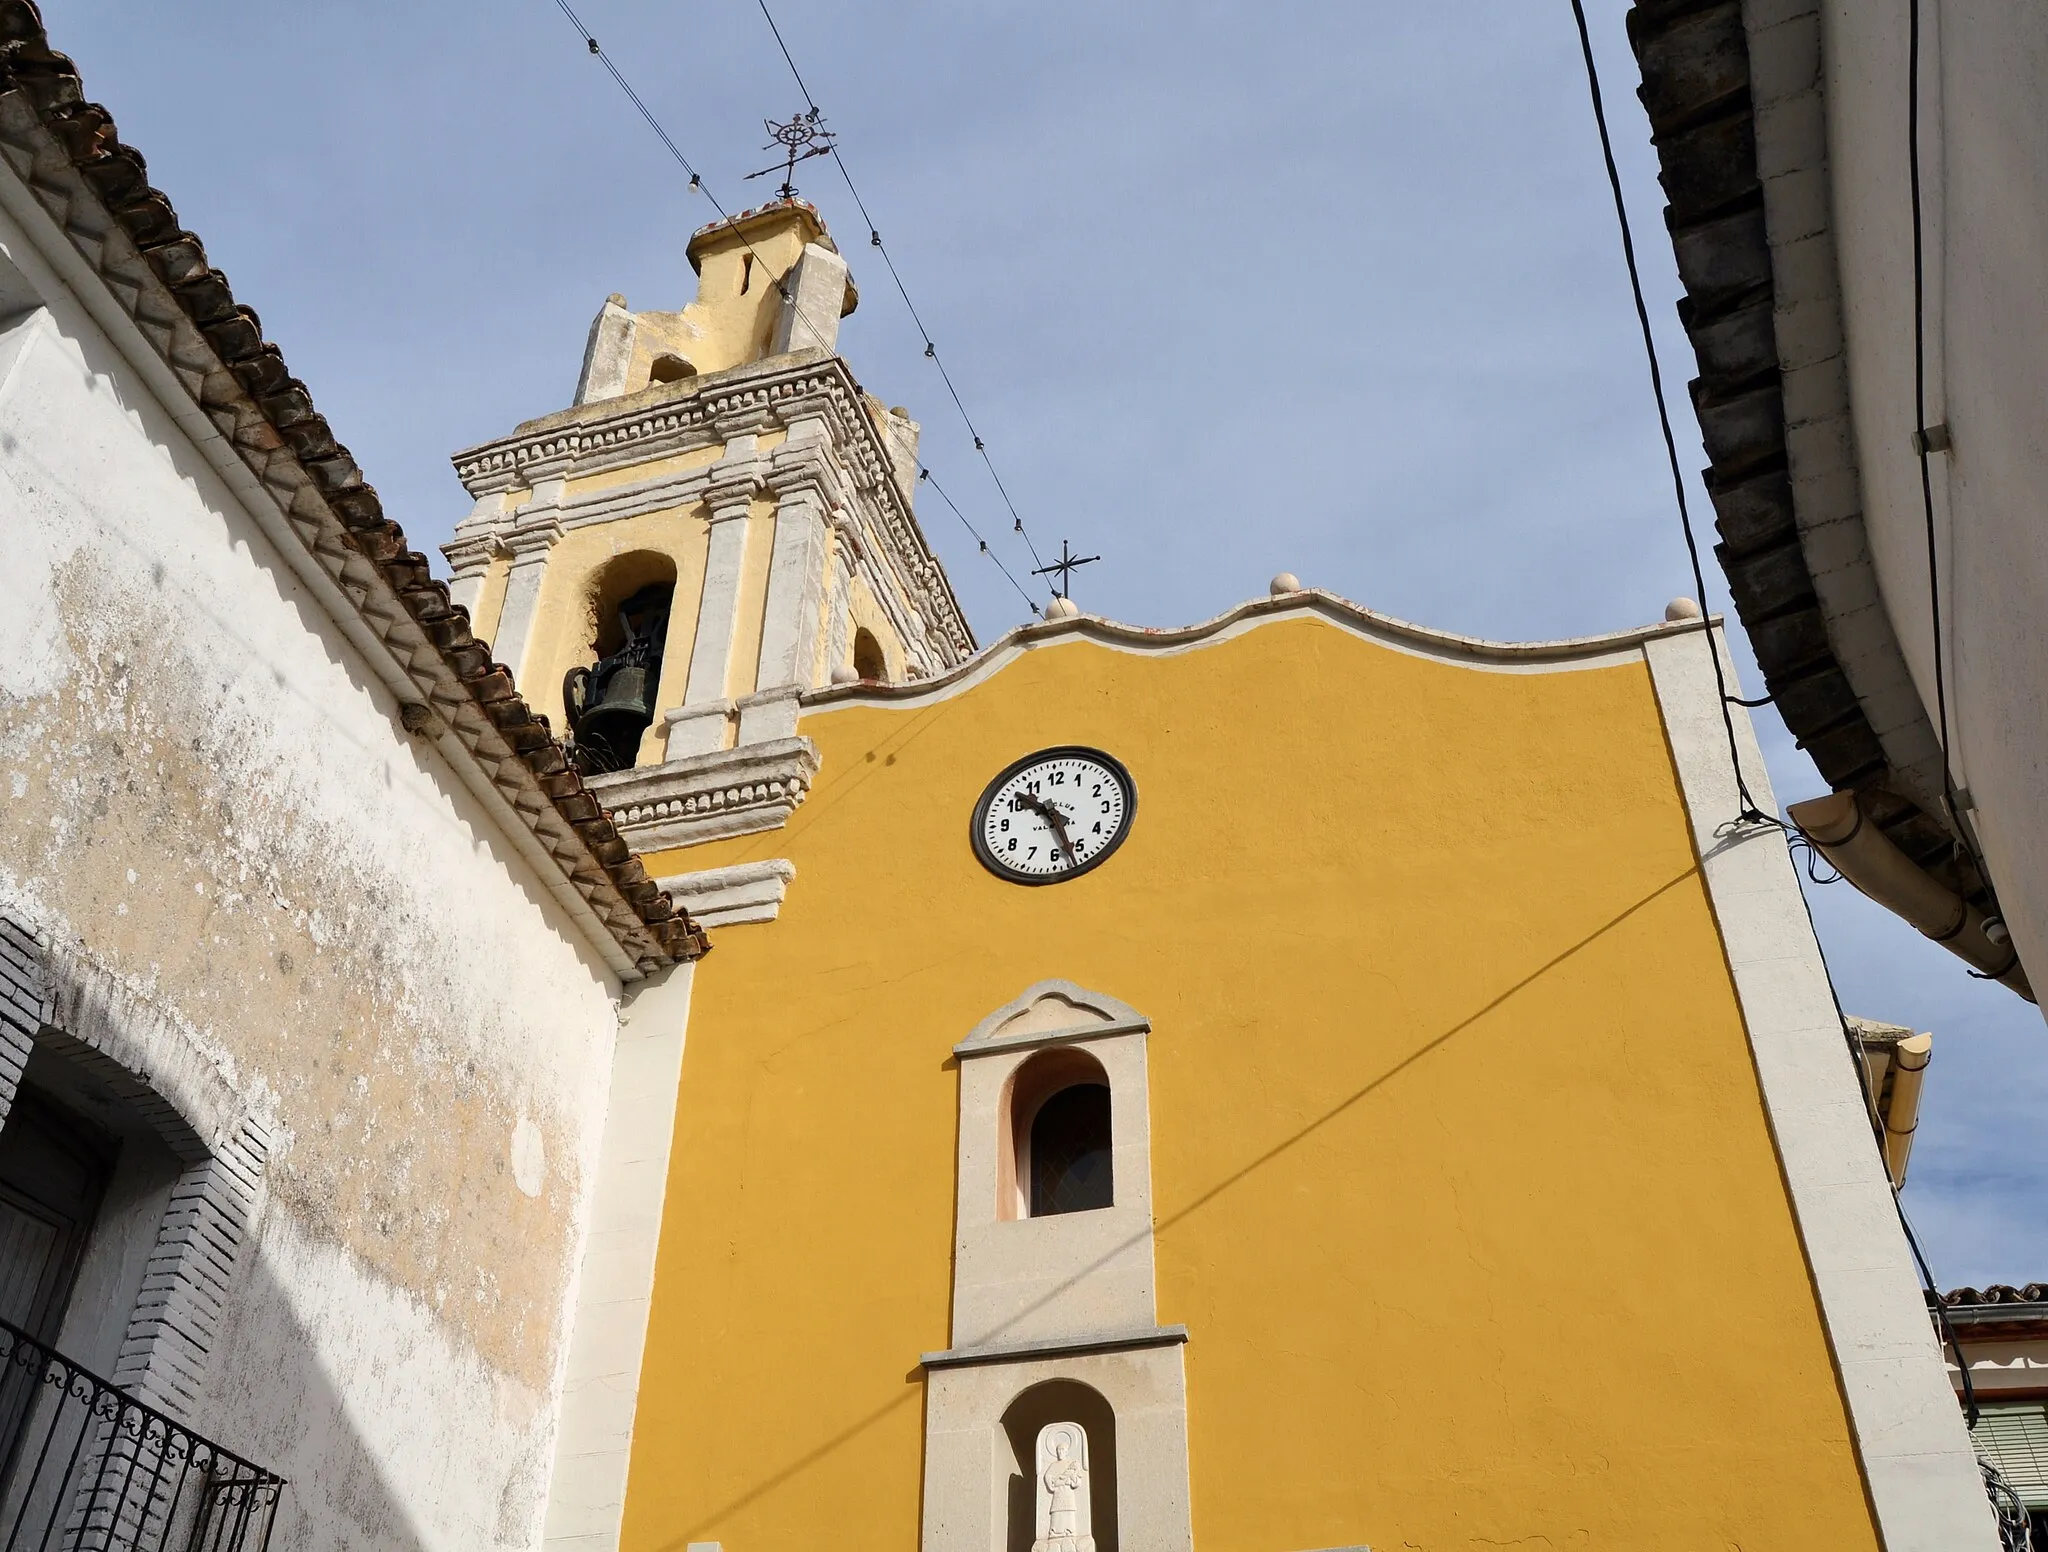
x=1925, y=1491
x=725, y=897
x=615, y=1288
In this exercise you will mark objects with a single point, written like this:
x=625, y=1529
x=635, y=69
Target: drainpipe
x=1865, y=856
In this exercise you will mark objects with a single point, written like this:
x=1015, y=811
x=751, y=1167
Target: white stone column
x=796, y=590
x=608, y=356
x=529, y=544
x=817, y=292
x=718, y=610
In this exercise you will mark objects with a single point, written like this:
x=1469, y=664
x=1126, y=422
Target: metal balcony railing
x=85, y=1467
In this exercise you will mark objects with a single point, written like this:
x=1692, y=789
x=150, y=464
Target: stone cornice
x=676, y=418
x=707, y=797
x=1307, y=603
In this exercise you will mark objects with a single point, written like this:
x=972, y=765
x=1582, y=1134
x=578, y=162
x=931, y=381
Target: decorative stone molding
x=1012, y=1352
x=725, y=897
x=1052, y=1013
x=709, y=796
x=780, y=392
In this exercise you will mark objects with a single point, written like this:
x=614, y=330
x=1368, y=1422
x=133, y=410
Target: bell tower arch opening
x=610, y=703
x=870, y=663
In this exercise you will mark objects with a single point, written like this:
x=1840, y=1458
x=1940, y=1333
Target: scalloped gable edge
x=1565, y=655
x=69, y=158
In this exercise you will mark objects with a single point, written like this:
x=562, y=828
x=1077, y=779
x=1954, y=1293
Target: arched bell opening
x=610, y=703
x=1091, y=1492
x=870, y=664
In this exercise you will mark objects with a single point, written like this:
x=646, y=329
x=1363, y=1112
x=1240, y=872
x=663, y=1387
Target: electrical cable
x=1749, y=812
x=696, y=179
x=931, y=349
x=1920, y=443
x=1948, y=1330
x=1749, y=809
x=925, y=475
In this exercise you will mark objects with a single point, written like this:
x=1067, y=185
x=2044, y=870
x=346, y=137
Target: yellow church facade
x=1303, y=1081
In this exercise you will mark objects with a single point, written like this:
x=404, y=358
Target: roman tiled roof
x=1996, y=1293
x=1786, y=503
x=96, y=189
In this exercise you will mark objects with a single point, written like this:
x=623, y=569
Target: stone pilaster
x=529, y=543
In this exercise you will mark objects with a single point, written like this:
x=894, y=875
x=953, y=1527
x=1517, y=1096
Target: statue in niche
x=1065, y=1523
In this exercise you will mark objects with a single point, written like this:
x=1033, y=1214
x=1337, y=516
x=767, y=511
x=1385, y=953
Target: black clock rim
x=987, y=858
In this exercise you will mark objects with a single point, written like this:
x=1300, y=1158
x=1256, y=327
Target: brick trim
x=70, y=1010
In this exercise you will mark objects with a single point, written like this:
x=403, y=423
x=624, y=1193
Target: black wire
x=696, y=180
x=1948, y=785
x=926, y=476
x=931, y=349
x=809, y=101
x=1748, y=812
x=1948, y=1330
x=1855, y=1058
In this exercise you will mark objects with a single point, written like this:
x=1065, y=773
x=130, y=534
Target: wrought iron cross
x=802, y=138
x=1064, y=567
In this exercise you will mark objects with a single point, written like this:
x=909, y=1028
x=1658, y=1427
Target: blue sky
x=1229, y=289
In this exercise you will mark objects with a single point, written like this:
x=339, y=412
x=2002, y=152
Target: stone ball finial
x=846, y=673
x=1062, y=608
x=1683, y=609
x=1286, y=582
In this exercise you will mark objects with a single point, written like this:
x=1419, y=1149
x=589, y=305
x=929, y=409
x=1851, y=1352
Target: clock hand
x=1051, y=816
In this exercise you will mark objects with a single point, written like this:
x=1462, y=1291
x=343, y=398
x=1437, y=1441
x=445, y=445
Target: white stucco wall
x=1985, y=200
x=210, y=806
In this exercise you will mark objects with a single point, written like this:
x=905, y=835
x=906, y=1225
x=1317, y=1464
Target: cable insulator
x=931, y=350
x=593, y=46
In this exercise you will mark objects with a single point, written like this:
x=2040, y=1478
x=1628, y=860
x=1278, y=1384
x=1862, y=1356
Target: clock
x=1053, y=815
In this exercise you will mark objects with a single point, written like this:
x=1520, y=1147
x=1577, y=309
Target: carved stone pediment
x=706, y=797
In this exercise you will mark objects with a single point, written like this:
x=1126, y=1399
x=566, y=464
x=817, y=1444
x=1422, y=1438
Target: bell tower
x=721, y=521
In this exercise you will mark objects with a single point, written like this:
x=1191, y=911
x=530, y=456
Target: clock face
x=1053, y=815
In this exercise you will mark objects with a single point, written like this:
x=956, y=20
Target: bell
x=611, y=703
x=609, y=707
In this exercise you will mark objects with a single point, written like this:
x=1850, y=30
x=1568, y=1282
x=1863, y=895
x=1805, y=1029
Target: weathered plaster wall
x=210, y=807
x=1985, y=213
x=1461, y=1179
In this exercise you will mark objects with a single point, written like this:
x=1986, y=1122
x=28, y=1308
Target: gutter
x=1866, y=857
x=1734, y=95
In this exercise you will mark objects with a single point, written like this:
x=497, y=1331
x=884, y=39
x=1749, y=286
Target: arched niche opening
x=610, y=703
x=1059, y=1401
x=669, y=369
x=1055, y=1154
x=870, y=663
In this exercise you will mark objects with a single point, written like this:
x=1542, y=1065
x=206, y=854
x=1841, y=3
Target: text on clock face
x=1054, y=815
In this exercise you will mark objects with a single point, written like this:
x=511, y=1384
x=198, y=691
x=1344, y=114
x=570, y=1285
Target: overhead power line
x=1748, y=811
x=931, y=349
x=698, y=184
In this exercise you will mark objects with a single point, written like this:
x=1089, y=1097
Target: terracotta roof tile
x=645, y=923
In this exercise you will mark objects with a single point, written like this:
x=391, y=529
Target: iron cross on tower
x=1064, y=567
x=802, y=138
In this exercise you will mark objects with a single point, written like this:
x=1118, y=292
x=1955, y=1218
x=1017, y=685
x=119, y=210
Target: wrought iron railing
x=85, y=1467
